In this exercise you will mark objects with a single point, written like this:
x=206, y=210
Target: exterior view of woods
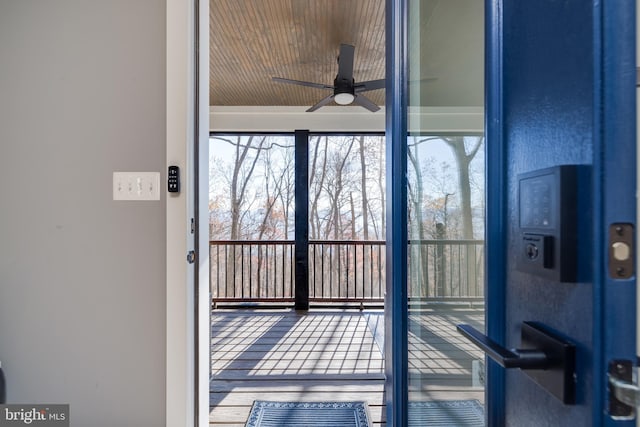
x=251, y=207
x=252, y=187
x=446, y=217
x=346, y=187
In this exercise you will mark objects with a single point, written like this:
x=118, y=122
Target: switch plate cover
x=136, y=186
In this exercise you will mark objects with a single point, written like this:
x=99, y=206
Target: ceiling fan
x=345, y=89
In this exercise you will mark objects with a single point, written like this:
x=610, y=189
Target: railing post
x=440, y=261
x=302, y=220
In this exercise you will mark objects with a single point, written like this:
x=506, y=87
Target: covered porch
x=335, y=355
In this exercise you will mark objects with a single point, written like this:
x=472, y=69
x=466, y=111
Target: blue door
x=560, y=150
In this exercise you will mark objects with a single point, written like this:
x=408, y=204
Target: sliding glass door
x=445, y=210
x=436, y=141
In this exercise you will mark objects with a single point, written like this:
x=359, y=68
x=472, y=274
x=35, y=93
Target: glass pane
x=251, y=187
x=445, y=209
x=346, y=187
x=346, y=219
x=251, y=217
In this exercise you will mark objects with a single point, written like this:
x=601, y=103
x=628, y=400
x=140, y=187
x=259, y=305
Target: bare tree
x=283, y=176
x=316, y=183
x=464, y=155
x=363, y=190
x=441, y=200
x=239, y=180
x=417, y=250
x=334, y=189
x=240, y=177
x=381, y=187
x=270, y=198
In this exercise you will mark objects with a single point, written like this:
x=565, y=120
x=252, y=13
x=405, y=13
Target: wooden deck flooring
x=283, y=355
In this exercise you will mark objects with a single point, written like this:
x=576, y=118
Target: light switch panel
x=136, y=186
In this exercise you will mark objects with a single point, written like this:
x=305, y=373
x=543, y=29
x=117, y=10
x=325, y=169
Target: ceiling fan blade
x=324, y=101
x=366, y=103
x=369, y=85
x=301, y=83
x=345, y=63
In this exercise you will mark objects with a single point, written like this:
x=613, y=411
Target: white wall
x=82, y=278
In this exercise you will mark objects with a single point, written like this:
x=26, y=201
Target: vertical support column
x=440, y=265
x=302, y=220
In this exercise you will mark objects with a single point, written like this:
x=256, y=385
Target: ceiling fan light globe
x=344, y=98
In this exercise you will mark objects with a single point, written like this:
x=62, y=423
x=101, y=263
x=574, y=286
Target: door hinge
x=624, y=391
x=191, y=257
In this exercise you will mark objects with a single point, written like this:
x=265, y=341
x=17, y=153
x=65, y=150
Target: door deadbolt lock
x=532, y=251
x=621, y=256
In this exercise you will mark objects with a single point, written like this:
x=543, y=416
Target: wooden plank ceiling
x=254, y=40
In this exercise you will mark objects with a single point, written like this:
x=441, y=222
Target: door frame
x=615, y=146
x=187, y=124
x=395, y=305
x=396, y=131
x=496, y=203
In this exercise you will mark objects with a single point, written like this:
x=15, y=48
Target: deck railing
x=446, y=270
x=251, y=270
x=343, y=271
x=346, y=271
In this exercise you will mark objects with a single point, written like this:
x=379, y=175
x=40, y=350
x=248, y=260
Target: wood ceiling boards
x=252, y=41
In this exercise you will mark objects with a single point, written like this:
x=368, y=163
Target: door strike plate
x=624, y=392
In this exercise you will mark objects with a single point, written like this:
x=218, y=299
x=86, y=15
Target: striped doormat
x=446, y=413
x=308, y=414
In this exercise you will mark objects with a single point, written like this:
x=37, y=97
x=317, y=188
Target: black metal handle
x=547, y=357
x=523, y=359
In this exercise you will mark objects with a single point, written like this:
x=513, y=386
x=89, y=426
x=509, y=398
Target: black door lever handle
x=523, y=359
x=546, y=357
